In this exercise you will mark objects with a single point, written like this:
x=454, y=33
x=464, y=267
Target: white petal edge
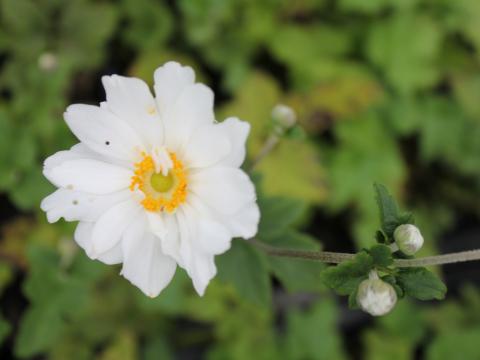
x=79, y=206
x=192, y=110
x=109, y=228
x=144, y=264
x=130, y=99
x=207, y=146
x=237, y=132
x=103, y=132
x=83, y=237
x=199, y=266
x=224, y=189
x=170, y=79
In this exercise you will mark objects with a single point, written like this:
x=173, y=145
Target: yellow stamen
x=161, y=192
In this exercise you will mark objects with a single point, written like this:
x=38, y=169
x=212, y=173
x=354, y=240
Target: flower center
x=162, y=179
x=161, y=183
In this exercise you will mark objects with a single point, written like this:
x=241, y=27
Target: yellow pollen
x=161, y=192
x=151, y=110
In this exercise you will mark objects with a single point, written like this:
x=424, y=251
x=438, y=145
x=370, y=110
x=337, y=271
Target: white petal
x=131, y=100
x=192, y=110
x=109, y=228
x=206, y=147
x=199, y=266
x=80, y=151
x=242, y=224
x=170, y=80
x=144, y=263
x=213, y=237
x=91, y=176
x=226, y=190
x=237, y=132
x=156, y=224
x=79, y=206
x=204, y=271
x=171, y=241
x=103, y=132
x=83, y=237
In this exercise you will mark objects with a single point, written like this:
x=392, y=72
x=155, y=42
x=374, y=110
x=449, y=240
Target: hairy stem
x=336, y=258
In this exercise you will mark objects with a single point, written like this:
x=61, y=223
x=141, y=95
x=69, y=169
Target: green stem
x=337, y=258
x=269, y=145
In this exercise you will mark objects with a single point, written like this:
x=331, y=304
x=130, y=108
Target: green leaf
x=55, y=297
x=278, y=213
x=298, y=174
x=296, y=274
x=405, y=47
x=5, y=329
x=313, y=334
x=246, y=269
x=345, y=277
x=421, y=284
x=382, y=255
x=392, y=281
x=40, y=327
x=389, y=215
x=388, y=209
x=458, y=344
x=352, y=300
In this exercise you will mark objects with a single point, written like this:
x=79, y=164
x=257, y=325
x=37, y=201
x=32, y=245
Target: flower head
x=408, y=238
x=155, y=181
x=375, y=296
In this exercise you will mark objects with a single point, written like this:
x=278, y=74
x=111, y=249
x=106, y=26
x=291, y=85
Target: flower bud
x=376, y=297
x=284, y=115
x=47, y=61
x=408, y=238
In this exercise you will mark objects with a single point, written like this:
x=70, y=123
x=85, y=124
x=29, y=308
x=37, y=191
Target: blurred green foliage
x=387, y=91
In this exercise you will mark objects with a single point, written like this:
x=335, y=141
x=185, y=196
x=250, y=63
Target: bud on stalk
x=375, y=296
x=408, y=238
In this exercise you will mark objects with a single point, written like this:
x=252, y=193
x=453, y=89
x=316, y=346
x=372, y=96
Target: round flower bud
x=47, y=61
x=376, y=297
x=284, y=115
x=408, y=238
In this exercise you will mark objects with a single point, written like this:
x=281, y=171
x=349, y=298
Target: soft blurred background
x=385, y=90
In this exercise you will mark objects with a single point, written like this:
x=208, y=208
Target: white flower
x=375, y=296
x=408, y=238
x=154, y=182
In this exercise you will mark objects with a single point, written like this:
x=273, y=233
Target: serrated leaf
x=381, y=254
x=388, y=209
x=421, y=284
x=345, y=277
x=246, y=269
